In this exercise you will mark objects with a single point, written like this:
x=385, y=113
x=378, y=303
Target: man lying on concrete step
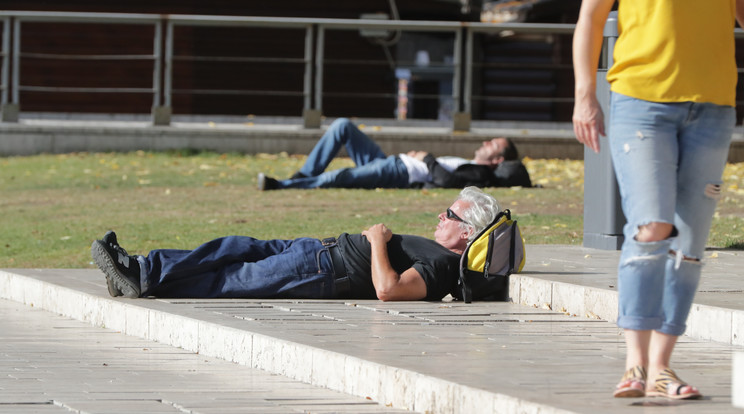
x=373, y=264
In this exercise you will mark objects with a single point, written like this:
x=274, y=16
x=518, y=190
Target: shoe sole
x=106, y=263
x=688, y=396
x=112, y=289
x=629, y=393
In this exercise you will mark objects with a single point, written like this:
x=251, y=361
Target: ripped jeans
x=669, y=160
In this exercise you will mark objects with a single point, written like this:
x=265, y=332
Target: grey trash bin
x=603, y=214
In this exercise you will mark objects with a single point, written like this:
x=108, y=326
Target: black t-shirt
x=438, y=265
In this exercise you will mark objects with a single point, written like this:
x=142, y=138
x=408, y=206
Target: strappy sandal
x=633, y=383
x=668, y=385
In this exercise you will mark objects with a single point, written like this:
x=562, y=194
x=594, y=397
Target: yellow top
x=675, y=51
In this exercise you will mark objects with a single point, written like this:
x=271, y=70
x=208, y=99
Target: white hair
x=482, y=211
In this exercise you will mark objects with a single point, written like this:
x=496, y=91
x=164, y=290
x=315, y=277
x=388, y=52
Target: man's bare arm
x=389, y=285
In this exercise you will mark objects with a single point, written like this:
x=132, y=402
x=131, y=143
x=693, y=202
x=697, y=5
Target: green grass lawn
x=54, y=206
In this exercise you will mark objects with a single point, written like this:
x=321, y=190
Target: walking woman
x=670, y=124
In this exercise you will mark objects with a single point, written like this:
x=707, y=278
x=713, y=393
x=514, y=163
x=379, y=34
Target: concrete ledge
x=387, y=384
x=64, y=137
x=534, y=140
x=708, y=323
x=446, y=357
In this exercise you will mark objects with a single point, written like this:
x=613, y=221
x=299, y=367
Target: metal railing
x=223, y=21
x=474, y=28
x=164, y=33
x=15, y=20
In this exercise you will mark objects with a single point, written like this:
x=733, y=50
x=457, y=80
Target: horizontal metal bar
x=356, y=62
x=405, y=25
x=522, y=99
x=365, y=94
x=383, y=95
x=246, y=21
x=354, y=24
x=234, y=92
x=237, y=59
x=86, y=57
x=550, y=28
x=83, y=89
x=523, y=65
x=432, y=67
x=62, y=17
x=196, y=20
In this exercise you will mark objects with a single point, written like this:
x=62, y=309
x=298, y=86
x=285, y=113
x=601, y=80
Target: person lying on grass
x=373, y=264
x=495, y=164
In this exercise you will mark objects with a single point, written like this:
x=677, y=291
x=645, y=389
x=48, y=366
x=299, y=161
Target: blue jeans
x=373, y=168
x=669, y=160
x=240, y=267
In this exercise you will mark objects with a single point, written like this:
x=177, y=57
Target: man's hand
x=419, y=155
x=389, y=285
x=378, y=233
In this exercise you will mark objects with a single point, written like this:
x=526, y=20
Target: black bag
x=485, y=266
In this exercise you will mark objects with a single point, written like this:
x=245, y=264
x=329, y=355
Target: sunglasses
x=452, y=216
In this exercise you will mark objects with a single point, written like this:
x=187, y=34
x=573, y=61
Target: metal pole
x=458, y=70
x=468, y=89
x=6, y=59
x=16, y=60
x=319, y=69
x=168, y=72
x=603, y=215
x=308, y=78
x=460, y=120
x=156, y=50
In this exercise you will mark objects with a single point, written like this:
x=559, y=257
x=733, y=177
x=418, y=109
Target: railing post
x=603, y=215
x=161, y=114
x=460, y=119
x=467, y=92
x=9, y=109
x=310, y=116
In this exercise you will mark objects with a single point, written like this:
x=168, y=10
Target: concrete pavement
x=54, y=364
x=555, y=350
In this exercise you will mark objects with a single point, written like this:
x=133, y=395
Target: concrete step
x=54, y=364
x=40, y=134
x=552, y=351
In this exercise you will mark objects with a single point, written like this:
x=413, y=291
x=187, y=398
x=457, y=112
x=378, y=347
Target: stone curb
x=708, y=323
x=386, y=384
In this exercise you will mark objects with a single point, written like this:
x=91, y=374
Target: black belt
x=341, y=278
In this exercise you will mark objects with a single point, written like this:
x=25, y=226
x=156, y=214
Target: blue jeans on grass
x=240, y=267
x=373, y=168
x=669, y=160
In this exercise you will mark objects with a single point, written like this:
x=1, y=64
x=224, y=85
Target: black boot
x=122, y=270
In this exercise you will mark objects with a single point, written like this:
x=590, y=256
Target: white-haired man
x=373, y=264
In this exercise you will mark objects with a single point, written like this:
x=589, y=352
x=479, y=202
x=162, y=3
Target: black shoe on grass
x=122, y=270
x=266, y=183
